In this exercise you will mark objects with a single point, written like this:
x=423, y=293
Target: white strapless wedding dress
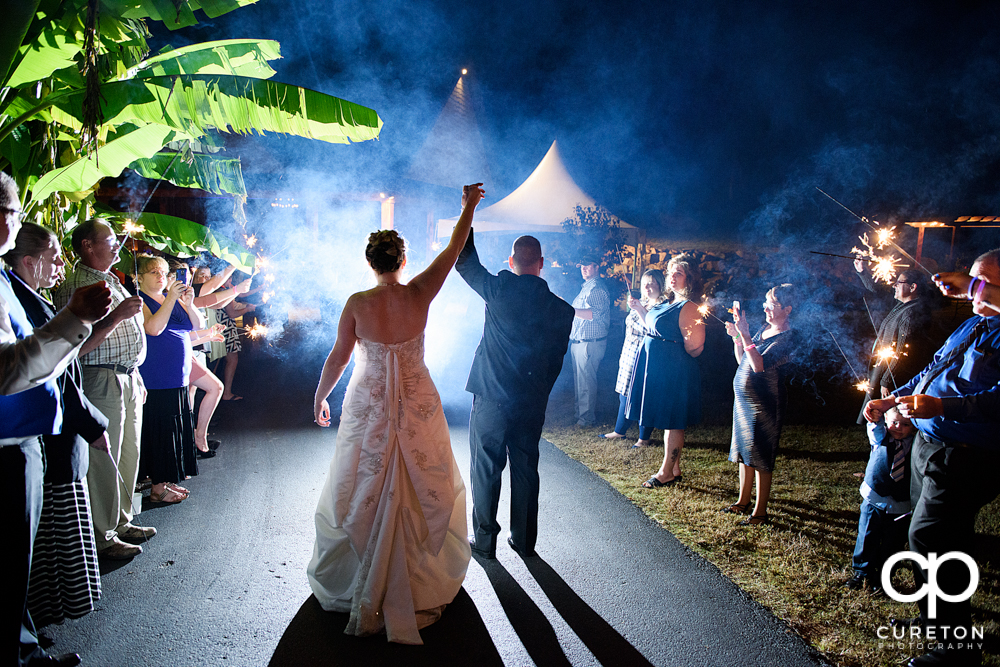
x=391, y=540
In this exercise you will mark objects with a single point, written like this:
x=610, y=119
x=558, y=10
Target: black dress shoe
x=214, y=444
x=482, y=553
x=205, y=455
x=523, y=553
x=64, y=660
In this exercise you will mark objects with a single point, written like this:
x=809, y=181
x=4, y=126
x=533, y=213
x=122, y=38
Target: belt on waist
x=117, y=368
x=588, y=340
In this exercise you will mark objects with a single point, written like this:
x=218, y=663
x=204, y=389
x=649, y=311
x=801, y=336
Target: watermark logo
x=930, y=590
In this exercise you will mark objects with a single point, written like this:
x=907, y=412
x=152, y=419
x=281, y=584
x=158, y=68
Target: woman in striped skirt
x=65, y=581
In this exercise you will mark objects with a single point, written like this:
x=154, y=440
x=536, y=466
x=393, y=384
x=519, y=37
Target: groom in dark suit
x=517, y=362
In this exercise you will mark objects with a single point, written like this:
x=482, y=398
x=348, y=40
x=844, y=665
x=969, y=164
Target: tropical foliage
x=83, y=99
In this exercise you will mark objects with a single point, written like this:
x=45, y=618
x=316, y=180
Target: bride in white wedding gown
x=391, y=541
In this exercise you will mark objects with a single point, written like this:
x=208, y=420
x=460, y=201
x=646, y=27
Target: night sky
x=712, y=119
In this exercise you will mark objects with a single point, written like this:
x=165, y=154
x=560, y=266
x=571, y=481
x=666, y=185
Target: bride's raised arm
x=429, y=281
x=336, y=362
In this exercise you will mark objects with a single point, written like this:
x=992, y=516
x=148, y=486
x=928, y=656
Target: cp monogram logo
x=930, y=590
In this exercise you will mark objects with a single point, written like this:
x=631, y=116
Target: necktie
x=898, y=461
x=956, y=352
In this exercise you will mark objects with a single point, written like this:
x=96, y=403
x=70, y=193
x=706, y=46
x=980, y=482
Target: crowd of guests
x=107, y=410
x=930, y=419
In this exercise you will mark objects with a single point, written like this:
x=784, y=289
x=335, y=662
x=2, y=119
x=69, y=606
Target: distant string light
x=281, y=202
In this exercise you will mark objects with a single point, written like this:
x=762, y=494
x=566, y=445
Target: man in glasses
x=111, y=381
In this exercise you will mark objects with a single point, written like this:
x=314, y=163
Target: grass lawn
x=796, y=566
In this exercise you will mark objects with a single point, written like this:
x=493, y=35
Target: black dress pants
x=948, y=487
x=21, y=477
x=497, y=433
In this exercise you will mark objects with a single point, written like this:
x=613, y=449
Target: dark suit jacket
x=67, y=455
x=524, y=338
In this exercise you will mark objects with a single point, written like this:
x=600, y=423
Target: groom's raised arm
x=473, y=272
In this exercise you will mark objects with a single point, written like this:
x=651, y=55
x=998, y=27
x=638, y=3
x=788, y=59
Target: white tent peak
x=546, y=198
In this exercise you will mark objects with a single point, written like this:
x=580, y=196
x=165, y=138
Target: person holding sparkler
x=760, y=398
x=167, y=426
x=902, y=344
x=111, y=381
x=954, y=403
x=652, y=288
x=391, y=545
x=665, y=391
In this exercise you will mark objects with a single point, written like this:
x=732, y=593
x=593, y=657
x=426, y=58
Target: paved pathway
x=224, y=581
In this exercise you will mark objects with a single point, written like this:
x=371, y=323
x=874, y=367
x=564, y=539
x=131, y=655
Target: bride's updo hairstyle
x=386, y=251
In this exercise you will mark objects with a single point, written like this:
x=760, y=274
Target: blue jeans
x=879, y=536
x=623, y=423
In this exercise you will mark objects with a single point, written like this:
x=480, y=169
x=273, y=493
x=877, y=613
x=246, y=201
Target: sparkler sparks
x=885, y=354
x=257, y=331
x=704, y=310
x=266, y=296
x=261, y=263
x=130, y=228
x=863, y=386
x=251, y=240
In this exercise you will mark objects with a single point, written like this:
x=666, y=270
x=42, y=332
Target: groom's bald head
x=526, y=256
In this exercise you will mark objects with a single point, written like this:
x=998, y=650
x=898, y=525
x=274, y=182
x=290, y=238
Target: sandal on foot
x=642, y=444
x=167, y=496
x=178, y=488
x=653, y=483
x=611, y=436
x=736, y=509
x=755, y=520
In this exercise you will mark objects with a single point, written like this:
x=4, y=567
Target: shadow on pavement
x=316, y=637
x=607, y=645
x=528, y=621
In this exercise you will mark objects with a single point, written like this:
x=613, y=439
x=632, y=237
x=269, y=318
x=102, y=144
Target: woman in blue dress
x=760, y=398
x=666, y=386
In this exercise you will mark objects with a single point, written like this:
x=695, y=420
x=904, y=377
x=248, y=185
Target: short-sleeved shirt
x=594, y=296
x=126, y=344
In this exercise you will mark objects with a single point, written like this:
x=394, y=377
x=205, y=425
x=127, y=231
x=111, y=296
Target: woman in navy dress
x=666, y=387
x=760, y=398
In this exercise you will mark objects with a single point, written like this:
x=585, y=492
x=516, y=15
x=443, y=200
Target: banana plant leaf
x=173, y=14
x=214, y=174
x=111, y=159
x=54, y=49
x=234, y=57
x=196, y=104
x=183, y=238
x=16, y=148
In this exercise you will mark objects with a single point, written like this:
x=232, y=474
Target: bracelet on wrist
x=751, y=346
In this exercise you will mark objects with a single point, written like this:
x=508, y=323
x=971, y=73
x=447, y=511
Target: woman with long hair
x=666, y=386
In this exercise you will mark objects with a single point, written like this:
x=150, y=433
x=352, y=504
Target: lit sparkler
x=131, y=228
x=863, y=386
x=266, y=296
x=885, y=354
x=251, y=240
x=884, y=236
x=257, y=331
x=704, y=310
x=261, y=263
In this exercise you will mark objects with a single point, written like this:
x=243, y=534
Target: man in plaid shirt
x=589, y=338
x=111, y=358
